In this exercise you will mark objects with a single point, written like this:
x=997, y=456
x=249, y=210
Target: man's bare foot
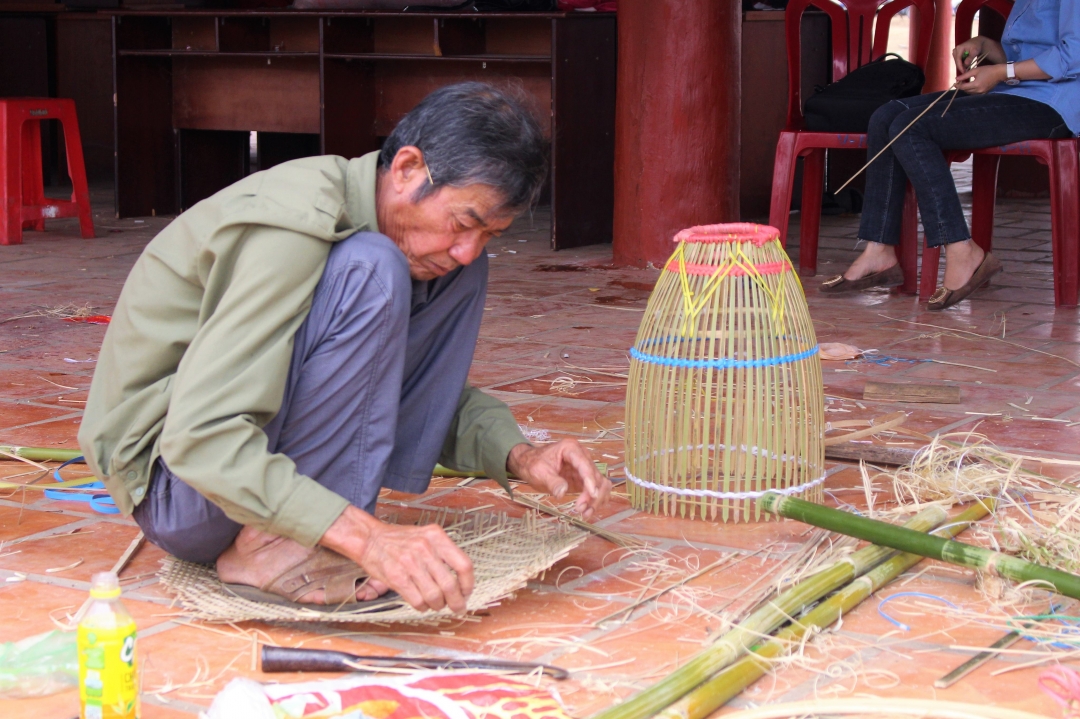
x=875, y=257
x=961, y=261
x=256, y=558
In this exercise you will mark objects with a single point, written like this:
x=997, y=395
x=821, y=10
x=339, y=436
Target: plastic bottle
x=106, y=644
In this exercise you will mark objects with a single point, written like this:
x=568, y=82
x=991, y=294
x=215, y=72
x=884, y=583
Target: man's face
x=449, y=228
x=443, y=231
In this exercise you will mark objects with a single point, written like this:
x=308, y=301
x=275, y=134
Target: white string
x=799, y=488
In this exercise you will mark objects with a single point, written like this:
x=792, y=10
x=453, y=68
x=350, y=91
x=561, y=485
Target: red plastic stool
x=23, y=204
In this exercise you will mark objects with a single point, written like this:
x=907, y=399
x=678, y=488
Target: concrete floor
x=552, y=315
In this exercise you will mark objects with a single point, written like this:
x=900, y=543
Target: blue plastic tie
x=901, y=625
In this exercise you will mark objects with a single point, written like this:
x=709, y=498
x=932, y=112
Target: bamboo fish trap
x=724, y=400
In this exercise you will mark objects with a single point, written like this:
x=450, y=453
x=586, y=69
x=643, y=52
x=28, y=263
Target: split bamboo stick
x=729, y=683
x=765, y=620
x=42, y=454
x=905, y=540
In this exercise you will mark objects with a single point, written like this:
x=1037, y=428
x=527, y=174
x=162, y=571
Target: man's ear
x=408, y=161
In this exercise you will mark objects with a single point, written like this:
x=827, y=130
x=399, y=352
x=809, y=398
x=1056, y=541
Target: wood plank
x=349, y=108
x=145, y=144
x=194, y=33
x=294, y=34
x=210, y=160
x=400, y=86
x=84, y=74
x=583, y=160
x=143, y=33
x=244, y=34
x=347, y=34
x=409, y=35
x=530, y=36
x=872, y=453
x=460, y=37
x=935, y=393
x=246, y=93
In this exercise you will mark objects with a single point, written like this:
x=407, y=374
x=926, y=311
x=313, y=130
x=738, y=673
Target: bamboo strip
x=726, y=685
x=905, y=540
x=763, y=621
x=42, y=454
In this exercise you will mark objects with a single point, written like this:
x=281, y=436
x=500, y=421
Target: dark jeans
x=973, y=122
x=377, y=370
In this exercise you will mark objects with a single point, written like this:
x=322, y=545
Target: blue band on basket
x=722, y=363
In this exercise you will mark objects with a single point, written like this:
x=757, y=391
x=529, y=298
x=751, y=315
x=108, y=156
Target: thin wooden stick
x=956, y=87
x=617, y=538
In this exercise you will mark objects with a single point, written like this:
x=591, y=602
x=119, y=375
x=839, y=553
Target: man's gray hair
x=475, y=133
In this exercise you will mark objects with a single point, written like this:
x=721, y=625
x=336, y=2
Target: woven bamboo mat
x=506, y=552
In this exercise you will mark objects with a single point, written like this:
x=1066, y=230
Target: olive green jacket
x=196, y=357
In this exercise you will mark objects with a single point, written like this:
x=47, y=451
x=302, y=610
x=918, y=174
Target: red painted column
x=940, y=70
x=676, y=122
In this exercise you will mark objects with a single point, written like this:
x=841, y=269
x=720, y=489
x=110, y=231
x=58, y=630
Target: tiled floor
x=556, y=326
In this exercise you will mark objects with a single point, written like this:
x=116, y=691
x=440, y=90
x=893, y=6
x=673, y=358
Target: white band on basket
x=723, y=495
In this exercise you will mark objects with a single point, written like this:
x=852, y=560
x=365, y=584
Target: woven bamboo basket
x=724, y=400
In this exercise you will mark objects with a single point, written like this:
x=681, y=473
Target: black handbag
x=847, y=104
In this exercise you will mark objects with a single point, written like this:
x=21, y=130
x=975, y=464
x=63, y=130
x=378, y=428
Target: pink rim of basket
x=729, y=232
x=765, y=268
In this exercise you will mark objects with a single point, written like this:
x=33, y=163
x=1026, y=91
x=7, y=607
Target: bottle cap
x=105, y=585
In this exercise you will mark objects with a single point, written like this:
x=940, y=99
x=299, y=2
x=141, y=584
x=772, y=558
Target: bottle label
x=107, y=687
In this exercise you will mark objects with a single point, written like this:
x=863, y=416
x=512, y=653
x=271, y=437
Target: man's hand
x=419, y=563
x=558, y=468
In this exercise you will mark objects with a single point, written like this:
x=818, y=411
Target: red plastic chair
x=855, y=42
x=1061, y=156
x=23, y=204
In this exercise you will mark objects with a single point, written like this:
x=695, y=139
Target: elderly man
x=290, y=346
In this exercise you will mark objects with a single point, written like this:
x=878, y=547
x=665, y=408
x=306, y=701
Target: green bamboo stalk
x=764, y=621
x=729, y=683
x=905, y=540
x=41, y=454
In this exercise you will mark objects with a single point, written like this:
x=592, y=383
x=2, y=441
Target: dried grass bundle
x=1044, y=526
x=724, y=398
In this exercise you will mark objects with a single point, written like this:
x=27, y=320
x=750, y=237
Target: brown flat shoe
x=892, y=277
x=944, y=298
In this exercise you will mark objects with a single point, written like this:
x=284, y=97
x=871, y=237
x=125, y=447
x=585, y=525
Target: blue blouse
x=1048, y=32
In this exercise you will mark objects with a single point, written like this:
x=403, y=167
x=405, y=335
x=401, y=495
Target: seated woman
x=1026, y=87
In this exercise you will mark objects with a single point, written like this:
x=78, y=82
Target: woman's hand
x=975, y=47
x=982, y=79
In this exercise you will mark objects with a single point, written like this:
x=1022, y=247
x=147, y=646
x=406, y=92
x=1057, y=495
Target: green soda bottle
x=106, y=645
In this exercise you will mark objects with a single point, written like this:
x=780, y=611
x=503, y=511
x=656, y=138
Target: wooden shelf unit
x=191, y=85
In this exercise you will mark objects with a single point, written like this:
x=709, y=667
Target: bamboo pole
x=906, y=540
x=42, y=454
x=729, y=683
x=765, y=620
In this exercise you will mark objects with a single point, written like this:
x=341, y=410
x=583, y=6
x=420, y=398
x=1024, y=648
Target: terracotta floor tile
x=572, y=383
x=97, y=547
x=14, y=415
x=15, y=523
x=61, y=433
x=42, y=386
x=28, y=605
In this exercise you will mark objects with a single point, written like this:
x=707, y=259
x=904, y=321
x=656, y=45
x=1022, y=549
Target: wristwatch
x=1010, y=74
